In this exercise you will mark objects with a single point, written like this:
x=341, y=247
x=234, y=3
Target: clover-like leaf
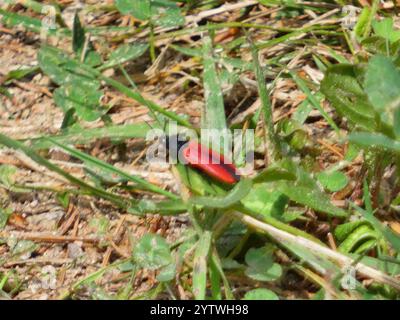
x=261, y=265
x=152, y=252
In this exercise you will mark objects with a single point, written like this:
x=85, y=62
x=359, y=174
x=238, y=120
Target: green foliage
x=201, y=257
x=240, y=190
x=78, y=90
x=213, y=116
x=333, y=180
x=125, y=53
x=152, y=252
x=382, y=85
x=164, y=13
x=342, y=88
x=385, y=29
x=4, y=215
x=261, y=265
x=266, y=200
x=260, y=294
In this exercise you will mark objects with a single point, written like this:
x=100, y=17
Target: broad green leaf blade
x=341, y=88
x=54, y=63
x=382, y=85
x=311, y=197
x=213, y=116
x=14, y=19
x=140, y=9
x=385, y=29
x=333, y=181
x=167, y=13
x=125, y=53
x=266, y=200
x=241, y=189
x=200, y=265
x=84, y=99
x=274, y=174
x=374, y=140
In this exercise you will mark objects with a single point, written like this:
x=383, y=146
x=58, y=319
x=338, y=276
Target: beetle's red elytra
x=210, y=162
x=207, y=161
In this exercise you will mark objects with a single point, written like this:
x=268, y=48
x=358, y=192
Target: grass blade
x=200, y=265
x=84, y=136
x=272, y=142
x=213, y=116
x=111, y=169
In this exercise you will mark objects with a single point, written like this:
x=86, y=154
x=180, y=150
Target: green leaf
x=385, y=29
x=387, y=233
x=266, y=200
x=313, y=100
x=19, y=74
x=273, y=145
x=14, y=19
x=83, y=98
x=374, y=140
x=125, y=53
x=314, y=260
x=362, y=25
x=6, y=175
x=4, y=215
x=161, y=12
x=357, y=237
x=260, y=294
x=140, y=9
x=392, y=268
x=261, y=266
x=94, y=162
x=200, y=265
x=213, y=116
x=54, y=63
x=311, y=197
x=241, y=189
x=382, y=84
x=78, y=35
x=333, y=181
x=5, y=92
x=274, y=174
x=341, y=88
x=79, y=135
x=166, y=207
x=169, y=14
x=167, y=273
x=342, y=231
x=152, y=252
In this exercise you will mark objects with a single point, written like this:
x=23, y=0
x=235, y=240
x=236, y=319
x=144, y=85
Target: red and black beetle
x=204, y=159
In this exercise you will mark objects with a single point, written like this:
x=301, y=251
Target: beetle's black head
x=174, y=142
